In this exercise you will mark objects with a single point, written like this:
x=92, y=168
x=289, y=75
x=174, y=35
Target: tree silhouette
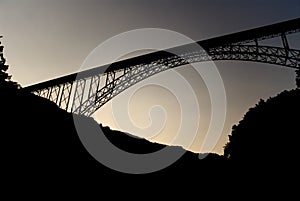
x=268, y=132
x=6, y=85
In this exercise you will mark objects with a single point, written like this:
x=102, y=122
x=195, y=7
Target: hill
x=38, y=137
x=40, y=140
x=268, y=132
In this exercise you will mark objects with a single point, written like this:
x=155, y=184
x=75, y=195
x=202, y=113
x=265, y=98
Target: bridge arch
x=83, y=93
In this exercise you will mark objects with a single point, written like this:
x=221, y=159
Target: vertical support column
x=91, y=86
x=69, y=96
x=256, y=48
x=74, y=98
x=110, y=85
x=285, y=44
x=94, y=85
x=65, y=95
x=285, y=41
x=110, y=77
x=256, y=44
x=82, y=92
x=58, y=93
x=78, y=96
x=54, y=93
x=62, y=95
x=49, y=93
x=106, y=90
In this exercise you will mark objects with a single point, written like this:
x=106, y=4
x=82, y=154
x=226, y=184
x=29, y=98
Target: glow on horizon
x=237, y=107
x=47, y=39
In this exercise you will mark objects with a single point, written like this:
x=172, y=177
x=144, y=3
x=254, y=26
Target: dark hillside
x=37, y=136
x=268, y=132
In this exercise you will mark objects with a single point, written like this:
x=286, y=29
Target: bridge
x=85, y=92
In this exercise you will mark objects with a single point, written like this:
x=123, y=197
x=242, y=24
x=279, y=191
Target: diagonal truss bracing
x=87, y=91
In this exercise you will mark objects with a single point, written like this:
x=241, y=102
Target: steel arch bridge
x=86, y=91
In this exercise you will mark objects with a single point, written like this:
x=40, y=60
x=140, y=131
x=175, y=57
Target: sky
x=45, y=39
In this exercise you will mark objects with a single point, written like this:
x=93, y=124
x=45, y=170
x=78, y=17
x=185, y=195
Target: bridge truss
x=87, y=91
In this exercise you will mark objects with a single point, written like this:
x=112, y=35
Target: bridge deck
x=239, y=37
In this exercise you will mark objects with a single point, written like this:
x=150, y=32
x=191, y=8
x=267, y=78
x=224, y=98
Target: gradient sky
x=49, y=38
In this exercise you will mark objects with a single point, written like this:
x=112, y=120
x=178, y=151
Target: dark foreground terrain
x=39, y=140
x=39, y=135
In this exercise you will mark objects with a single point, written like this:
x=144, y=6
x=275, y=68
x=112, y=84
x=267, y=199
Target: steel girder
x=88, y=91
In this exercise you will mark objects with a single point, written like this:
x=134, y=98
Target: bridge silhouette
x=85, y=92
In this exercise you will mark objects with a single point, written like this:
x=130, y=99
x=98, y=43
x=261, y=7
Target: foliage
x=6, y=85
x=268, y=132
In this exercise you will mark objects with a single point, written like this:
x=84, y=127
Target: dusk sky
x=45, y=39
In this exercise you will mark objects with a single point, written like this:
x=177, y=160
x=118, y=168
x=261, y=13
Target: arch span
x=87, y=91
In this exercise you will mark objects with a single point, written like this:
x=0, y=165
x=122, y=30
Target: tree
x=6, y=85
x=268, y=131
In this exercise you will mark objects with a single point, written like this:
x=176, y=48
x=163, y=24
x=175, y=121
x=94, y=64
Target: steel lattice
x=86, y=94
